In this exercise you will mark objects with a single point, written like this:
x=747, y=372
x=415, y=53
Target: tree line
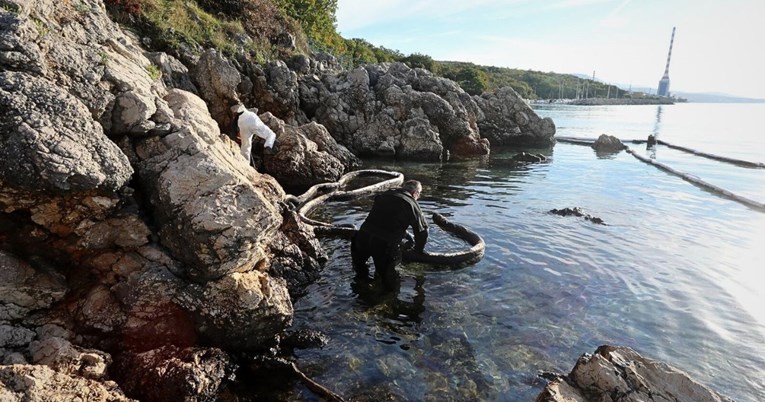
x=250, y=28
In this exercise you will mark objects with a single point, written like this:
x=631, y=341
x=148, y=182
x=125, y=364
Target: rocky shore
x=140, y=255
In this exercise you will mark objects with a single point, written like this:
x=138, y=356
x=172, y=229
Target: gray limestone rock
x=508, y=120
x=60, y=355
x=619, y=374
x=275, y=89
x=15, y=337
x=41, y=383
x=608, y=144
x=392, y=110
x=215, y=213
x=174, y=73
x=241, y=311
x=217, y=80
x=297, y=254
x=149, y=314
x=24, y=289
x=305, y=155
x=48, y=140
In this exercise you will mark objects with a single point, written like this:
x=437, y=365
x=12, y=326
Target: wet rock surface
x=170, y=373
x=620, y=374
x=524, y=157
x=578, y=212
x=508, y=120
x=608, y=144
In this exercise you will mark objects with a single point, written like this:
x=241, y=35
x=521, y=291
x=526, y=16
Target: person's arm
x=420, y=228
x=420, y=239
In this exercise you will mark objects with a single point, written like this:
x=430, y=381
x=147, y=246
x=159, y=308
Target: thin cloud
x=355, y=15
x=614, y=19
x=567, y=4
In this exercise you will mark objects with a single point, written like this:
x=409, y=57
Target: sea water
x=677, y=273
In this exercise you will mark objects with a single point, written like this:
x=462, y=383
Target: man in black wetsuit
x=381, y=233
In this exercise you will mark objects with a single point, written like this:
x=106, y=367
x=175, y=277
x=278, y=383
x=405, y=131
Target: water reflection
x=654, y=137
x=388, y=302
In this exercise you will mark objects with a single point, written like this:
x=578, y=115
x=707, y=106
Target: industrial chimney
x=664, y=81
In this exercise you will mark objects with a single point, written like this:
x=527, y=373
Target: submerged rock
x=620, y=374
x=529, y=158
x=576, y=211
x=608, y=144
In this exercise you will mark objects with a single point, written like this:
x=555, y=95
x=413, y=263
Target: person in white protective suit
x=248, y=125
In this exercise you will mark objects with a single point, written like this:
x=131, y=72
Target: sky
x=718, y=45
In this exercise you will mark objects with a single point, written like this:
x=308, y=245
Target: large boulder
x=241, y=311
x=42, y=383
x=275, y=89
x=619, y=374
x=217, y=80
x=508, y=120
x=152, y=307
x=608, y=144
x=49, y=141
x=173, y=374
x=214, y=212
x=306, y=155
x=297, y=254
x=395, y=111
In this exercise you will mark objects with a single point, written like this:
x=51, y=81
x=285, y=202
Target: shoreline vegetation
x=259, y=29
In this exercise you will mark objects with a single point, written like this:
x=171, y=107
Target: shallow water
x=676, y=272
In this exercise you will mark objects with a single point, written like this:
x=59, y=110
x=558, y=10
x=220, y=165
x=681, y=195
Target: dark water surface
x=676, y=274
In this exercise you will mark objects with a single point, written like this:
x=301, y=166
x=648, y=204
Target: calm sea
x=677, y=273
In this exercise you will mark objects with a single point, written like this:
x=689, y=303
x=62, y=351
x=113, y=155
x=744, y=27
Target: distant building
x=664, y=81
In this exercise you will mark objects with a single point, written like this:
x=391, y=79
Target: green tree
x=360, y=51
x=472, y=80
x=419, y=60
x=384, y=54
x=317, y=18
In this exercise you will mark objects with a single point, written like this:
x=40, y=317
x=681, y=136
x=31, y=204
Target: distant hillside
x=716, y=98
x=532, y=84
